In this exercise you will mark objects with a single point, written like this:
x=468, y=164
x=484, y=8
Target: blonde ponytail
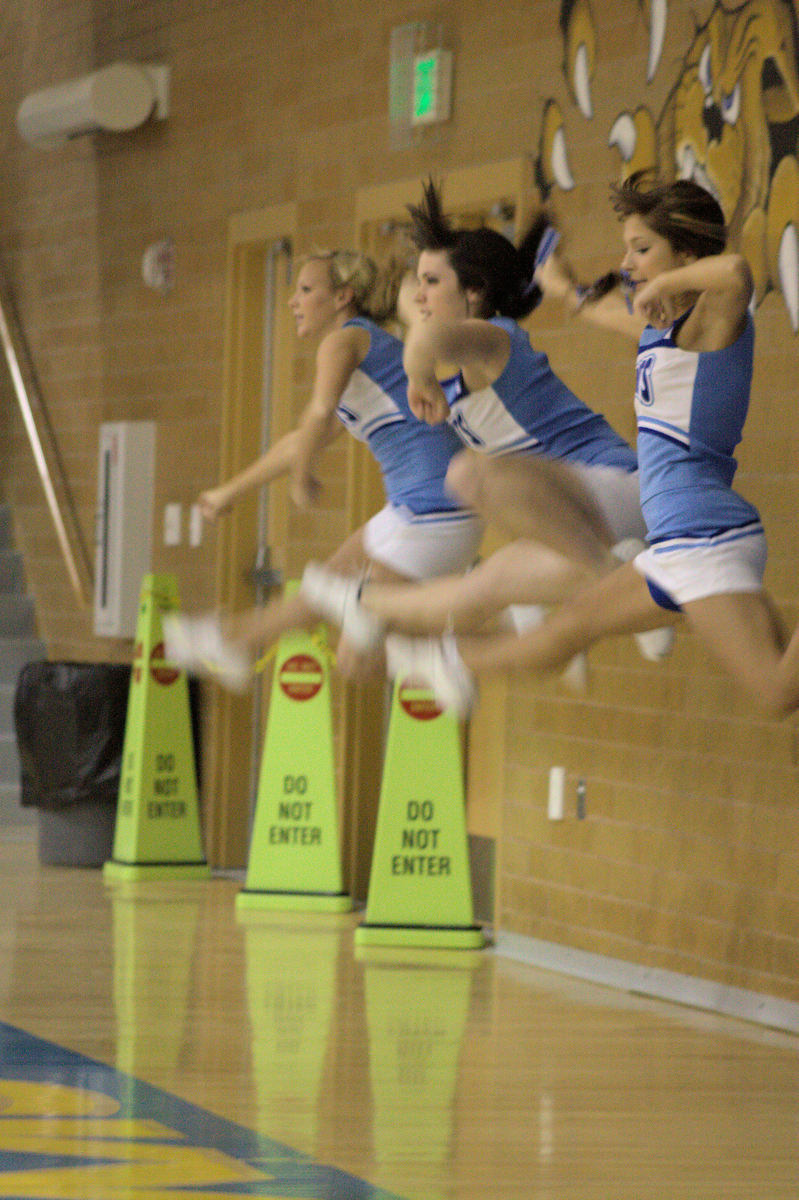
x=374, y=292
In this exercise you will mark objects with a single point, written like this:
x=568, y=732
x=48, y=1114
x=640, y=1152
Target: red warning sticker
x=301, y=677
x=160, y=672
x=418, y=701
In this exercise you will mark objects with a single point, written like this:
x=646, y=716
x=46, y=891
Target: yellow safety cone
x=157, y=833
x=420, y=890
x=295, y=855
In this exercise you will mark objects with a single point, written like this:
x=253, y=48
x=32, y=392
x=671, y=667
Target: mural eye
x=705, y=70
x=731, y=105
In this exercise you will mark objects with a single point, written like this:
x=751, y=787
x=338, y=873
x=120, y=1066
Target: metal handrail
x=26, y=409
x=263, y=576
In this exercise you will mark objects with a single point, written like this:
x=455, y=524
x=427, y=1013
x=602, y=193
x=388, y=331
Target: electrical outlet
x=557, y=787
x=195, y=525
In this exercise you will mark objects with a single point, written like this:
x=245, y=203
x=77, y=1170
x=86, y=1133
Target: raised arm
x=722, y=284
x=433, y=347
x=609, y=311
x=337, y=357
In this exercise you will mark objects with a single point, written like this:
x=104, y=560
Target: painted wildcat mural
x=730, y=121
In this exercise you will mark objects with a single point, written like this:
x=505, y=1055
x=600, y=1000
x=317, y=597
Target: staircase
x=18, y=645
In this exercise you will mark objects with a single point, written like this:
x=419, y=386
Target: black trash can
x=70, y=726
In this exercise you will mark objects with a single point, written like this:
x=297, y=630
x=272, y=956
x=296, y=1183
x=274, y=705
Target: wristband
x=583, y=292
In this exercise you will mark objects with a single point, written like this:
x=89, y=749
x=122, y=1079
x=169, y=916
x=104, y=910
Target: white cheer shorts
x=616, y=494
x=422, y=546
x=679, y=570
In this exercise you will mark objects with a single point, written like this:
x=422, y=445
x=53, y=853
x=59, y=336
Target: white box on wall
x=125, y=481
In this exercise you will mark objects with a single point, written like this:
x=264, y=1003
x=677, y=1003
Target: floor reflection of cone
x=151, y=987
x=291, y=1013
x=417, y=1011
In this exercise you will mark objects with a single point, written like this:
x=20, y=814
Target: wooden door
x=258, y=363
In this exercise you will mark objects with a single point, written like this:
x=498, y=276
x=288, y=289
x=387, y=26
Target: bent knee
x=779, y=699
x=464, y=475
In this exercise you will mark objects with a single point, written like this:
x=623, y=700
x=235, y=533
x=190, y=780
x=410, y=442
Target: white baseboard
x=652, y=982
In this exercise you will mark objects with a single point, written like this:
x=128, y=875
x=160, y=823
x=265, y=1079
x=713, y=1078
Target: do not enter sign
x=160, y=672
x=418, y=701
x=301, y=677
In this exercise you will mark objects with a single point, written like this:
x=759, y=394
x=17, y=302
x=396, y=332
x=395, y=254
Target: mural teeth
x=582, y=81
x=658, y=12
x=686, y=162
x=701, y=176
x=560, y=162
x=789, y=273
x=623, y=136
x=689, y=168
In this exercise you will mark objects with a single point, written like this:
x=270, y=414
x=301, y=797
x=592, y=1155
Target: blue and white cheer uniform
x=690, y=407
x=421, y=532
x=529, y=410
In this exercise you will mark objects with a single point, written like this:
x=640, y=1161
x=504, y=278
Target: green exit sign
x=432, y=87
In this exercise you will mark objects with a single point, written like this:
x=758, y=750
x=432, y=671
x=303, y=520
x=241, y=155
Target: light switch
x=173, y=519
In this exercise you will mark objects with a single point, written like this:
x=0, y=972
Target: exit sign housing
x=432, y=87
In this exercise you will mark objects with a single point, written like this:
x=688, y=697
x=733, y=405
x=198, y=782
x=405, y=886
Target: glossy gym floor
x=155, y=1042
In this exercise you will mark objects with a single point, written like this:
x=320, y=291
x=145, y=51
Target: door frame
x=229, y=734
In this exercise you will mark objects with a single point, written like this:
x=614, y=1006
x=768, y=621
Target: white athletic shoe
x=436, y=663
x=653, y=644
x=628, y=549
x=523, y=617
x=575, y=674
x=197, y=645
x=656, y=644
x=337, y=597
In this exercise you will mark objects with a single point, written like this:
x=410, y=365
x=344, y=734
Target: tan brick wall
x=686, y=857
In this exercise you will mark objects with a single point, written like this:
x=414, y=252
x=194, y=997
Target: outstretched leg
x=522, y=572
x=745, y=634
x=263, y=626
x=742, y=630
x=226, y=650
x=619, y=603
x=538, y=498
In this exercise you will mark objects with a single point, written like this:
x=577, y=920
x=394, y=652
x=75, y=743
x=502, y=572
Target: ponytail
x=483, y=260
x=374, y=292
x=687, y=215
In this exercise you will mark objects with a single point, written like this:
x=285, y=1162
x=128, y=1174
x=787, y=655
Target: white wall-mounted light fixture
x=115, y=98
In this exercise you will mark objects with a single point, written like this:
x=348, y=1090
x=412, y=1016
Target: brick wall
x=686, y=855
